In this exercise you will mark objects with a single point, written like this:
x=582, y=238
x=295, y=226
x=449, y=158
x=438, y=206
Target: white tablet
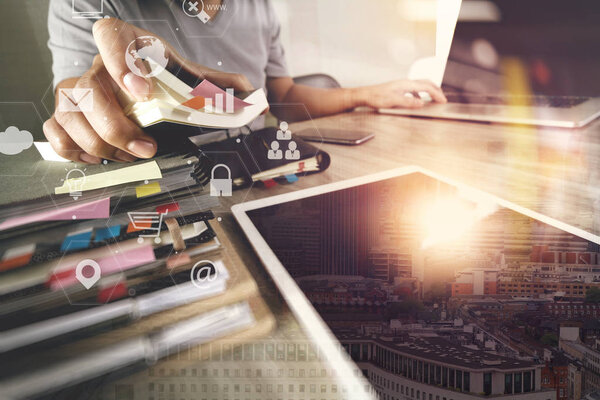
x=320, y=245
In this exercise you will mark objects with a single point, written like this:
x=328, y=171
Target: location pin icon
x=88, y=282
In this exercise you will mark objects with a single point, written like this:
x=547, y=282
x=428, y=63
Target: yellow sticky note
x=135, y=173
x=147, y=190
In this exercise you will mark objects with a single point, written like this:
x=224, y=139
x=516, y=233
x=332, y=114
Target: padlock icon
x=220, y=186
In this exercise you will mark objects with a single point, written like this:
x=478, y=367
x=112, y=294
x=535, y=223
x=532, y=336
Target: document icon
x=78, y=100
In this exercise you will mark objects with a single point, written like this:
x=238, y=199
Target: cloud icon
x=13, y=141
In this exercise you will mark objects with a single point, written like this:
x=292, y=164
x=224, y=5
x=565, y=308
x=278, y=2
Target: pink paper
x=94, y=209
x=111, y=264
x=208, y=90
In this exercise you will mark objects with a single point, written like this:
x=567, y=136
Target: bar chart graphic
x=215, y=100
x=223, y=102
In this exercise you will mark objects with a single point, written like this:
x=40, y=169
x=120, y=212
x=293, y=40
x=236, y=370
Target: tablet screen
x=434, y=288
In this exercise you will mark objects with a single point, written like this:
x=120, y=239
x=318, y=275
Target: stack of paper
x=146, y=300
x=206, y=105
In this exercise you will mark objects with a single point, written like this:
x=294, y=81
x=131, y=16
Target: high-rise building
x=344, y=232
x=387, y=264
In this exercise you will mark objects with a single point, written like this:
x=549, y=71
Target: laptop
x=536, y=64
x=87, y=9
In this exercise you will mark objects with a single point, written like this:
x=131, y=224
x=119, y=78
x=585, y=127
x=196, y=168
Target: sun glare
x=447, y=220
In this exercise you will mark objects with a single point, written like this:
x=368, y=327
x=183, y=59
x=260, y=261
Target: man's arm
x=320, y=102
x=105, y=132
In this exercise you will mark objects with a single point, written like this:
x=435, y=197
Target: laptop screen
x=532, y=47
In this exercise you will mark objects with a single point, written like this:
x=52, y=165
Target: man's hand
x=394, y=94
x=320, y=102
x=106, y=132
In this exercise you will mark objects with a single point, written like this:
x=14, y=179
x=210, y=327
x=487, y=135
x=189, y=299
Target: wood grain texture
x=553, y=171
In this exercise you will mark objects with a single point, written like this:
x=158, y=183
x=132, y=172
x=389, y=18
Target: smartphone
x=337, y=136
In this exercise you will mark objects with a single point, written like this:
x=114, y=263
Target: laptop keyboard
x=539, y=101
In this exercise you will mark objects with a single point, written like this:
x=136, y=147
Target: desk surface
x=553, y=171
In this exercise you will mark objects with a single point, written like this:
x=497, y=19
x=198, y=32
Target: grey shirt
x=242, y=38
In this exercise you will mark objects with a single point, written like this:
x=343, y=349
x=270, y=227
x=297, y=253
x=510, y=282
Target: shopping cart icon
x=148, y=221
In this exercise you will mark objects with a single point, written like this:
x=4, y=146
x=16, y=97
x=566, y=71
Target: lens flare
x=447, y=220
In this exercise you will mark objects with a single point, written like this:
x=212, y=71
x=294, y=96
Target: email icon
x=75, y=100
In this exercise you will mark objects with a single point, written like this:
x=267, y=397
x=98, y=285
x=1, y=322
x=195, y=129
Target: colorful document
x=109, y=232
x=136, y=173
x=206, y=105
x=197, y=103
x=16, y=256
x=220, y=100
x=147, y=190
x=90, y=210
x=114, y=263
x=77, y=240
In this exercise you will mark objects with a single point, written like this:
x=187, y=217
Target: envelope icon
x=78, y=100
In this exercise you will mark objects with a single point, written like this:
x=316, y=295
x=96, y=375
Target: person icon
x=275, y=152
x=283, y=133
x=292, y=153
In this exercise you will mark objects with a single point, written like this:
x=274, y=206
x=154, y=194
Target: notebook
x=247, y=156
x=172, y=101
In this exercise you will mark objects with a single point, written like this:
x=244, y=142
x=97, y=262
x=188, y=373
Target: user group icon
x=283, y=134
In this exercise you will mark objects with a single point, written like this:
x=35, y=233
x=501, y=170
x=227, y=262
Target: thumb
x=117, y=41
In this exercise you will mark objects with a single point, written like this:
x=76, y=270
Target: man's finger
x=408, y=101
x=113, y=38
x=434, y=91
x=64, y=146
x=109, y=121
x=82, y=133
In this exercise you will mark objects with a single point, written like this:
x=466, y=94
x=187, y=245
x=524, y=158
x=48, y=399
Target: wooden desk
x=552, y=171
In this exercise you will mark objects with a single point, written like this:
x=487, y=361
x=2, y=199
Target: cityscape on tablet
x=433, y=293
